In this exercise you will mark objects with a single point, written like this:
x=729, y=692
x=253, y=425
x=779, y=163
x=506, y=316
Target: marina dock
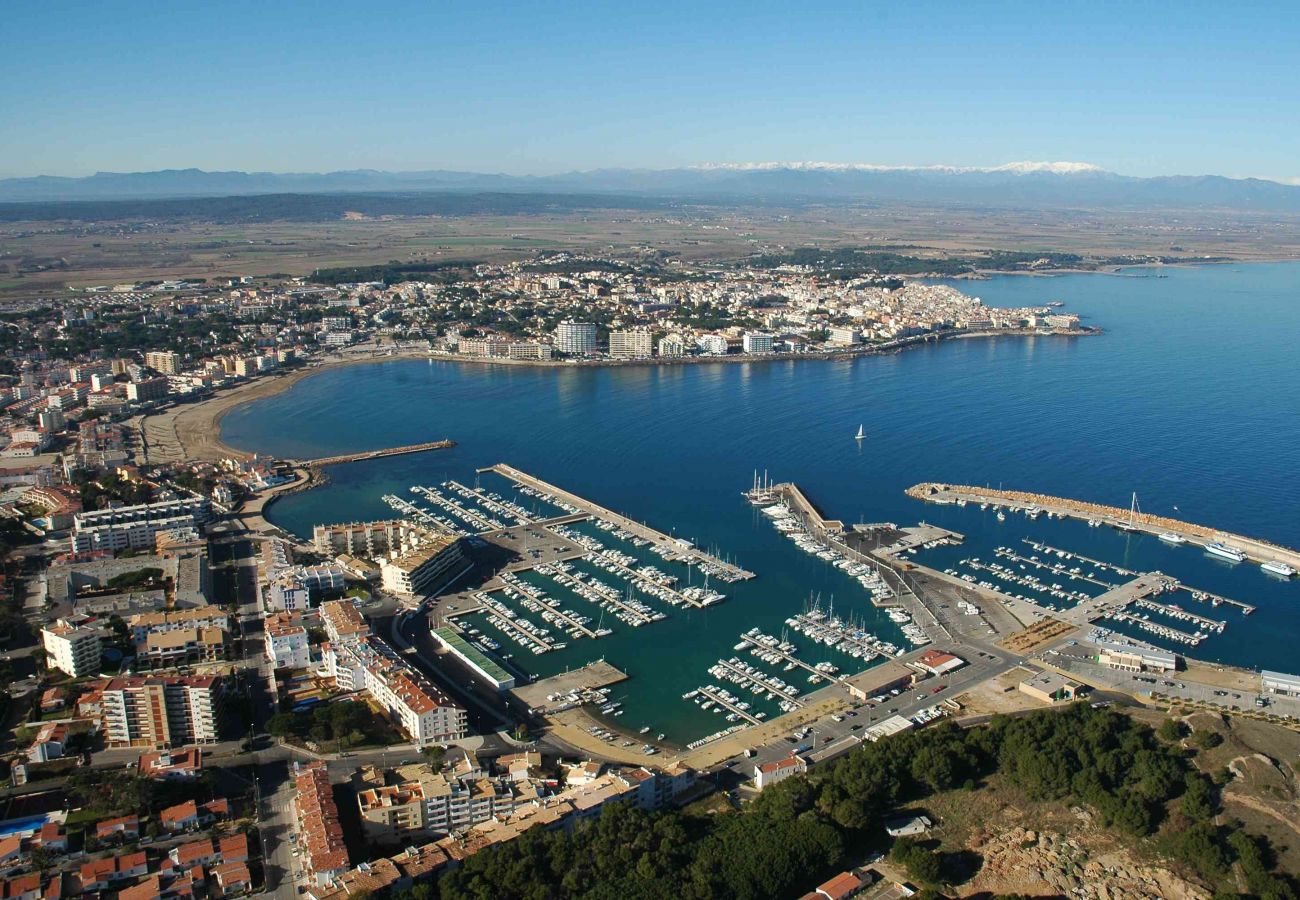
x=377, y=454
x=673, y=549
x=1254, y=549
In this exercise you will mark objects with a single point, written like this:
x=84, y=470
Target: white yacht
x=1278, y=568
x=1172, y=537
x=1225, y=551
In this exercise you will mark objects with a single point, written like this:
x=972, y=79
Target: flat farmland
x=50, y=257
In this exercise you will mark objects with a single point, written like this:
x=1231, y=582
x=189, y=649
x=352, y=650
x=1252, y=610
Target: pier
x=377, y=454
x=761, y=645
x=1177, y=612
x=760, y=681
x=728, y=705
x=672, y=549
x=583, y=588
x=1253, y=548
x=804, y=509
x=1197, y=594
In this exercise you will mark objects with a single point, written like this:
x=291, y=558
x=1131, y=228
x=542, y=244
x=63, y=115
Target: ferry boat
x=1172, y=537
x=1223, y=550
x=1278, y=568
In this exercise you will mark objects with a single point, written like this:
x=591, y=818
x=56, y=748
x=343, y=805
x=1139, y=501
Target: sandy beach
x=192, y=431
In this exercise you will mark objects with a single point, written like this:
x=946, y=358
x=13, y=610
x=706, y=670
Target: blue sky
x=1139, y=88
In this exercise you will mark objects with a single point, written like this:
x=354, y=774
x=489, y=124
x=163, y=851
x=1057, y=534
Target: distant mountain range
x=1056, y=185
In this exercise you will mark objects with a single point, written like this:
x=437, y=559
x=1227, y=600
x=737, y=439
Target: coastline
x=193, y=431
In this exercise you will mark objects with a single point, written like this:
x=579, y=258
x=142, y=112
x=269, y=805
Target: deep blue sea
x=1190, y=397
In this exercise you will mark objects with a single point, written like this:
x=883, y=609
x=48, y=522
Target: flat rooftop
x=453, y=638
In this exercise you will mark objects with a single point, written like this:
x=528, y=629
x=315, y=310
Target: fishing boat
x=1224, y=551
x=860, y=435
x=1278, y=568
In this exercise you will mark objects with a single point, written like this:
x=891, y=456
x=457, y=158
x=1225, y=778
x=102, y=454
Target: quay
x=1254, y=549
x=322, y=461
x=592, y=676
x=804, y=509
x=672, y=549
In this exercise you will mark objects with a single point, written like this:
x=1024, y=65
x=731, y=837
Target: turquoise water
x=1189, y=398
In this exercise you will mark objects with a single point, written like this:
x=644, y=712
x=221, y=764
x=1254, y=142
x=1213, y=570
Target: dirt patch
x=998, y=695
x=1047, y=631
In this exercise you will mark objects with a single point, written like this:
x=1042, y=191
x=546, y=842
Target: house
x=149, y=889
x=208, y=852
x=841, y=887
x=172, y=765
x=49, y=744
x=232, y=878
x=124, y=828
x=51, y=837
x=1050, y=687
x=53, y=699
x=937, y=662
x=98, y=874
x=11, y=852
x=775, y=772
x=190, y=815
x=907, y=826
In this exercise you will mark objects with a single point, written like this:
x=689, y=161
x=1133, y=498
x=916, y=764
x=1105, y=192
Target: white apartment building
x=287, y=593
x=164, y=621
x=714, y=344
x=74, y=649
x=636, y=343
x=755, y=342
x=843, y=334
x=672, y=345
x=287, y=646
x=575, y=338
x=368, y=663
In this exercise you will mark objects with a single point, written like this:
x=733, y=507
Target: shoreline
x=192, y=431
